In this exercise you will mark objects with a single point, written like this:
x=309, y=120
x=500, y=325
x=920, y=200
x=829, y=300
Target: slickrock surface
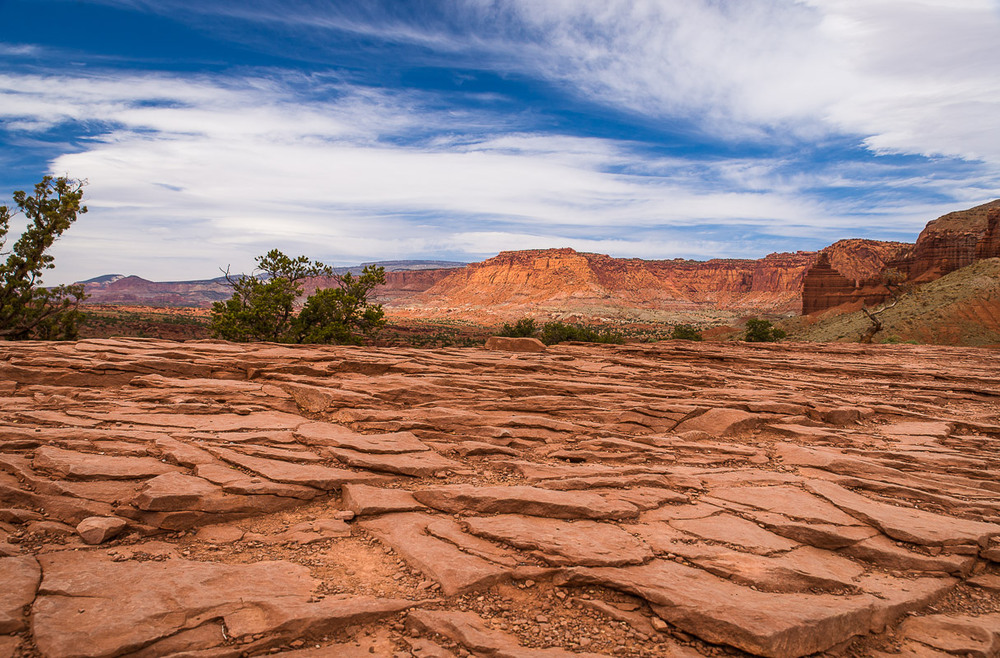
x=204, y=499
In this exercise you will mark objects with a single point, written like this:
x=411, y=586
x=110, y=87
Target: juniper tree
x=28, y=310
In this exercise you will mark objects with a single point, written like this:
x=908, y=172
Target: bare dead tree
x=895, y=282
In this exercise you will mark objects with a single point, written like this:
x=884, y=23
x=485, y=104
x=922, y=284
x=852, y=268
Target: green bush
x=558, y=332
x=761, y=331
x=262, y=308
x=523, y=328
x=685, y=332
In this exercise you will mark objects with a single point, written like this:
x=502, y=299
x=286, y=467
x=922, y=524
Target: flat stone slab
x=454, y=569
x=720, y=422
x=963, y=635
x=905, y=523
x=217, y=422
x=237, y=482
x=884, y=552
x=74, y=465
x=416, y=464
x=766, y=624
x=21, y=576
x=915, y=428
x=736, y=531
x=338, y=436
x=533, y=501
x=582, y=543
x=802, y=569
x=365, y=500
x=827, y=536
x=791, y=501
x=310, y=475
x=79, y=611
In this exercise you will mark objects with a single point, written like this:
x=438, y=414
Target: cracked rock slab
x=775, y=625
x=454, y=569
x=79, y=611
x=582, y=543
x=21, y=576
x=533, y=501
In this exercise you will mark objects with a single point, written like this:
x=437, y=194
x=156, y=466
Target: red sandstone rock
x=504, y=344
x=963, y=635
x=99, y=529
x=417, y=464
x=524, y=500
x=364, y=500
x=84, y=466
x=455, y=570
x=79, y=609
x=514, y=284
x=946, y=244
x=581, y=543
x=720, y=422
x=21, y=576
x=310, y=475
x=910, y=525
x=766, y=563
x=337, y=436
x=237, y=482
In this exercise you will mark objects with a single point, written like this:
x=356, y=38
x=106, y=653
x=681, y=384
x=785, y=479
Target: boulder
x=505, y=344
x=99, y=529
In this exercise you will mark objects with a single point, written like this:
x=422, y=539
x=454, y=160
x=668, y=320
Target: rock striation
x=673, y=499
x=564, y=281
x=946, y=244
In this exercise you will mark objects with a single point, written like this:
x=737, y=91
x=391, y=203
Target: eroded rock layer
x=673, y=499
x=946, y=244
x=564, y=281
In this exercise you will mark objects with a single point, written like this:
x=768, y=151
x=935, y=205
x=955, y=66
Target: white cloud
x=221, y=169
x=911, y=76
x=218, y=172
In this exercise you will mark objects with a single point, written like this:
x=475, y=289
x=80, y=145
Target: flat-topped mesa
x=565, y=280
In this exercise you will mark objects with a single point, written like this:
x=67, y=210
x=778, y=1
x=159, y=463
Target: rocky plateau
x=206, y=499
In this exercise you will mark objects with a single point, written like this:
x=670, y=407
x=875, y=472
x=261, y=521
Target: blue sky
x=212, y=131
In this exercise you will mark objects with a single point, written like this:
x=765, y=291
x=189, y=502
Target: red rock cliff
x=563, y=280
x=946, y=244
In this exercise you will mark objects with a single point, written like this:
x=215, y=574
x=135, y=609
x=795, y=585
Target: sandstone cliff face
x=847, y=273
x=566, y=281
x=946, y=244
